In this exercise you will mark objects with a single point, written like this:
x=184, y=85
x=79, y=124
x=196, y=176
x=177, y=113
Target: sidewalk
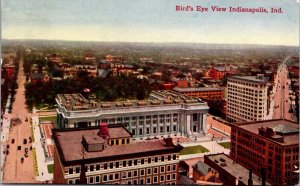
x=4, y=135
x=40, y=155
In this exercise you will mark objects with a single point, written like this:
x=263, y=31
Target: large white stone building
x=247, y=98
x=165, y=113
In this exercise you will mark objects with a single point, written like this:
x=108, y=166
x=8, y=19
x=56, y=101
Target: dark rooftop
x=288, y=128
x=234, y=168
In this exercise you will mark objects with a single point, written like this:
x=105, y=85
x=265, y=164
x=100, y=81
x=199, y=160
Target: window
x=135, y=173
x=148, y=180
x=162, y=178
x=77, y=181
x=162, y=169
x=123, y=174
x=174, y=176
x=70, y=170
x=174, y=157
x=127, y=141
x=156, y=159
x=168, y=128
x=174, y=128
x=147, y=130
x=111, y=177
x=142, y=172
x=142, y=161
x=77, y=170
x=174, y=167
x=133, y=131
x=124, y=163
x=169, y=157
x=117, y=176
x=91, y=179
x=168, y=177
x=129, y=174
x=155, y=179
x=91, y=167
x=149, y=171
x=162, y=158
x=104, y=177
x=98, y=167
x=129, y=182
x=97, y=179
x=112, y=142
x=161, y=129
x=117, y=142
x=117, y=164
x=111, y=165
x=135, y=182
x=141, y=132
x=142, y=181
x=169, y=168
x=149, y=160
x=154, y=130
x=135, y=162
x=123, y=141
x=130, y=163
x=155, y=170
x=105, y=165
x=70, y=182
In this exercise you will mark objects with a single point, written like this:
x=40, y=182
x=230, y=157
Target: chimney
x=169, y=142
x=250, y=181
x=104, y=132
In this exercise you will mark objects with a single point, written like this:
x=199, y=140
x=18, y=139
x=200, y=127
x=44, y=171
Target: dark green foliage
x=105, y=89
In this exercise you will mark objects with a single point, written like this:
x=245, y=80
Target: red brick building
x=111, y=157
x=271, y=144
x=217, y=73
x=206, y=93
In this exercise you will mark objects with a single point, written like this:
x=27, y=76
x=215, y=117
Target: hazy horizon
x=149, y=21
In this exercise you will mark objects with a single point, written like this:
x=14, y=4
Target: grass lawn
x=193, y=150
x=50, y=168
x=48, y=118
x=226, y=145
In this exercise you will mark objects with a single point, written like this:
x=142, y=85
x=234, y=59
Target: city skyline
x=150, y=21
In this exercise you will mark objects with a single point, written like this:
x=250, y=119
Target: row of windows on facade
x=238, y=106
x=244, y=88
x=241, y=97
x=128, y=180
x=126, y=163
x=238, y=99
x=161, y=130
x=243, y=91
x=240, y=117
x=241, y=83
x=141, y=123
x=240, y=110
x=135, y=118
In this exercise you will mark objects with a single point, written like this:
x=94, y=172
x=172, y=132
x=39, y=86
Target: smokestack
x=104, y=132
x=250, y=181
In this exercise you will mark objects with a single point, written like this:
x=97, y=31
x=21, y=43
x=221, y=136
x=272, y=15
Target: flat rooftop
x=199, y=89
x=288, y=128
x=234, y=168
x=157, y=98
x=69, y=141
x=252, y=79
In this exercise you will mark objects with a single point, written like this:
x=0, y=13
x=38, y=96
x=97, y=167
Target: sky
x=150, y=21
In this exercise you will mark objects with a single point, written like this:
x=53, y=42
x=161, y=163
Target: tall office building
x=247, y=98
